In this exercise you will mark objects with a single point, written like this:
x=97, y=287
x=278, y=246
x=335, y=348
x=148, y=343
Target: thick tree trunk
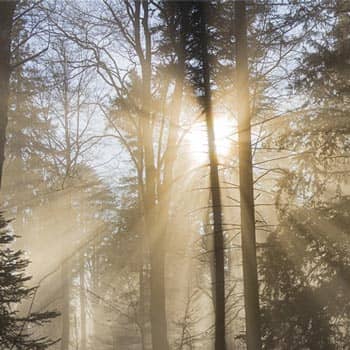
x=250, y=277
x=156, y=249
x=158, y=314
x=7, y=9
x=220, y=319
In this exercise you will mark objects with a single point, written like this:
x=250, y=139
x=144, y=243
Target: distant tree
x=26, y=148
x=15, y=51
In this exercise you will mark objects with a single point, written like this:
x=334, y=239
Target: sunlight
x=224, y=129
x=164, y=173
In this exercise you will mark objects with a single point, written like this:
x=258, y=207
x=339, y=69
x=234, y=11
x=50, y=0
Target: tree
x=250, y=276
x=302, y=265
x=7, y=10
x=220, y=320
x=196, y=17
x=321, y=82
x=18, y=331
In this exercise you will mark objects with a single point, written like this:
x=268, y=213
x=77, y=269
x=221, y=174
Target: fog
x=174, y=175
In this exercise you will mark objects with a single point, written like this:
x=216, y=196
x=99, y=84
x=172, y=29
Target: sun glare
x=224, y=130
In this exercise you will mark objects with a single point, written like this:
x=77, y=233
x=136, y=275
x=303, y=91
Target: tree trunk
x=142, y=321
x=70, y=218
x=7, y=9
x=220, y=343
x=82, y=303
x=250, y=276
x=143, y=276
x=66, y=306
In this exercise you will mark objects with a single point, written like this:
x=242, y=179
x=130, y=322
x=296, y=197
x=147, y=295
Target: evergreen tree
x=306, y=272
x=18, y=329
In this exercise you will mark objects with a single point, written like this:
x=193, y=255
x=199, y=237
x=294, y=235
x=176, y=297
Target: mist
x=174, y=175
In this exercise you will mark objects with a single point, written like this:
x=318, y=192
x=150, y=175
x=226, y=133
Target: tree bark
x=220, y=319
x=250, y=276
x=7, y=9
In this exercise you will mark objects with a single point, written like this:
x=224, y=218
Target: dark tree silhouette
x=7, y=10
x=17, y=330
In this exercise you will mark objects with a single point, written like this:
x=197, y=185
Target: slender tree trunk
x=66, y=265
x=82, y=303
x=220, y=343
x=7, y=9
x=208, y=241
x=66, y=306
x=143, y=277
x=95, y=285
x=250, y=276
x=142, y=320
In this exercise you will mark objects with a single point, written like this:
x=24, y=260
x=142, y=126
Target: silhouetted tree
x=7, y=10
x=18, y=328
